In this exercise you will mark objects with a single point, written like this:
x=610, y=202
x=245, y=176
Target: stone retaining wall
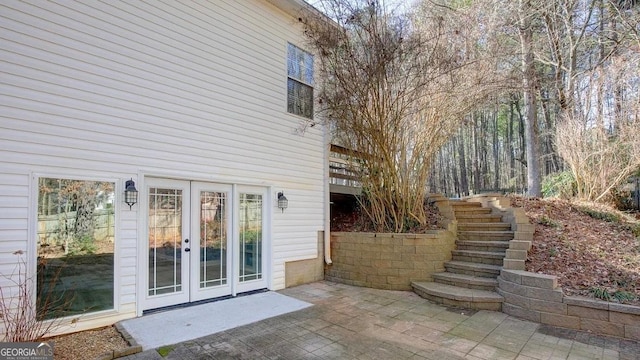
x=537, y=297
x=388, y=261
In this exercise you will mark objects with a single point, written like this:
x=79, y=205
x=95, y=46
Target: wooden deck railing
x=342, y=172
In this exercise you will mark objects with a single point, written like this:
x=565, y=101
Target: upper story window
x=299, y=82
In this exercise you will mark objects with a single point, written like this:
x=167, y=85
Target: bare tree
x=396, y=87
x=530, y=98
x=601, y=143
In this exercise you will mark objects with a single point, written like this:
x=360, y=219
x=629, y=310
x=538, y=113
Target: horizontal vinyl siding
x=110, y=90
x=14, y=214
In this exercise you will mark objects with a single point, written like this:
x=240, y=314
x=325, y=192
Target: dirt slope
x=595, y=255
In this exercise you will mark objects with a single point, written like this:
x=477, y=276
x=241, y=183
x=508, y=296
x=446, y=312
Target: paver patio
x=348, y=322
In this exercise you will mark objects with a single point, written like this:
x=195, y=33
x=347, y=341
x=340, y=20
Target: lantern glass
x=130, y=193
x=283, y=202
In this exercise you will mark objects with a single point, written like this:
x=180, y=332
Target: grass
x=165, y=350
x=546, y=221
x=619, y=295
x=619, y=218
x=600, y=215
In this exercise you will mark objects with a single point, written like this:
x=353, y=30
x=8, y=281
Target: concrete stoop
x=470, y=277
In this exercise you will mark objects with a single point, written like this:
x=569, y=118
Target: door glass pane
x=213, y=239
x=76, y=233
x=165, y=241
x=250, y=222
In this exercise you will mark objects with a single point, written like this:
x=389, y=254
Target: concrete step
x=457, y=204
x=498, y=226
x=473, y=269
x=493, y=246
x=479, y=257
x=485, y=235
x=459, y=210
x=457, y=296
x=466, y=281
x=478, y=218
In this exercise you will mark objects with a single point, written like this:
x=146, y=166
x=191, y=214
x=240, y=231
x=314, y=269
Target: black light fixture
x=282, y=201
x=130, y=193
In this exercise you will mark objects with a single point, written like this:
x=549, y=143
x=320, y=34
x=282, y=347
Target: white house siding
x=113, y=90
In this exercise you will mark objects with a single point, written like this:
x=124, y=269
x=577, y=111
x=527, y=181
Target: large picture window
x=299, y=82
x=76, y=243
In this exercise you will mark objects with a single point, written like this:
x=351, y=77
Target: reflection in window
x=165, y=241
x=250, y=222
x=75, y=247
x=213, y=239
x=299, y=82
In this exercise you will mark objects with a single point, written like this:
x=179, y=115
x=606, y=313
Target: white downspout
x=327, y=198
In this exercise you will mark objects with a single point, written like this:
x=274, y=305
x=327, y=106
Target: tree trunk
x=496, y=153
x=464, y=182
x=530, y=106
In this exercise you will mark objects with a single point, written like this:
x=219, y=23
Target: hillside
x=593, y=250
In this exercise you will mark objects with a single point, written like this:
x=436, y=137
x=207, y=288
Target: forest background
x=538, y=97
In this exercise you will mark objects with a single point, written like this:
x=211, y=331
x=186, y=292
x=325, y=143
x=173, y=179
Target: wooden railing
x=342, y=171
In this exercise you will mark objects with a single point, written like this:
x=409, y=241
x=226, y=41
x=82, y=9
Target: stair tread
x=496, y=243
x=471, y=209
x=468, y=265
x=481, y=216
x=463, y=208
x=482, y=232
x=487, y=224
x=466, y=278
x=463, y=202
x=457, y=293
x=479, y=253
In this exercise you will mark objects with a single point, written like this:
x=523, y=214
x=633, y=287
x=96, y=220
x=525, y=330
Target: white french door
x=205, y=240
x=211, y=233
x=249, y=239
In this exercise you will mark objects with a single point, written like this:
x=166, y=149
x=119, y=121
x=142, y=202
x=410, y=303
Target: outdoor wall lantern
x=282, y=201
x=130, y=193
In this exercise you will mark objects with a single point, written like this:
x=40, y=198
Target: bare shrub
x=601, y=142
x=23, y=313
x=395, y=87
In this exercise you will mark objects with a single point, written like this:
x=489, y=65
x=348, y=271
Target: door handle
x=187, y=249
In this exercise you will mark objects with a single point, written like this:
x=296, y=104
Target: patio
x=348, y=322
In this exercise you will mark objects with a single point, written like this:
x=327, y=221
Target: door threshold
x=200, y=302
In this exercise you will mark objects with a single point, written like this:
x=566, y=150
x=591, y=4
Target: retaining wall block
x=587, y=303
x=528, y=228
x=523, y=235
x=565, y=321
x=520, y=245
x=511, y=287
x=513, y=276
x=632, y=332
x=588, y=313
x=552, y=307
x=624, y=318
x=602, y=327
x=520, y=312
x=513, y=264
x=513, y=299
x=627, y=309
x=544, y=294
x=516, y=254
x=540, y=280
